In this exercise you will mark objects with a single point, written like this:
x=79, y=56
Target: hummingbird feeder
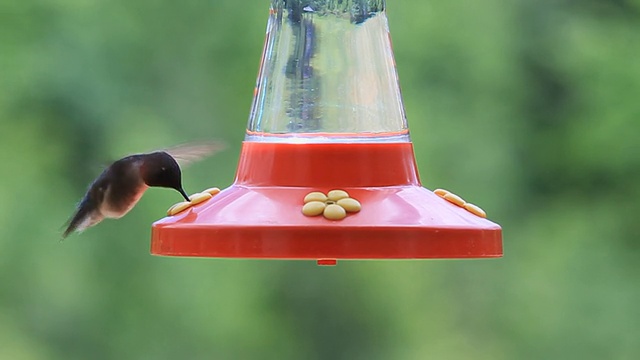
x=327, y=168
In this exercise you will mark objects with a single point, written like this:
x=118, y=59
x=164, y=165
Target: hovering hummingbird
x=119, y=187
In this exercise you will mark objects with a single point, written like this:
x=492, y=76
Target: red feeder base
x=260, y=215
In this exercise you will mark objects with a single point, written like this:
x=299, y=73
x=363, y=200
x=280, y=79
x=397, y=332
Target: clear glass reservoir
x=327, y=74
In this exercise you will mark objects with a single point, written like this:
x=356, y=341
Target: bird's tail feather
x=82, y=219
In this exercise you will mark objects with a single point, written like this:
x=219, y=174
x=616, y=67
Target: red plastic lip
x=327, y=165
x=260, y=216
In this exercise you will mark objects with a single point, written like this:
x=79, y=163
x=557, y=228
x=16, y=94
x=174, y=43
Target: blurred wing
x=189, y=153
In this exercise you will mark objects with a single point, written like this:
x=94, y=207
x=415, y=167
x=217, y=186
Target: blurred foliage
x=529, y=108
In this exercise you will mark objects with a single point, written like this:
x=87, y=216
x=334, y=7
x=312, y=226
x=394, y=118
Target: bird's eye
x=163, y=168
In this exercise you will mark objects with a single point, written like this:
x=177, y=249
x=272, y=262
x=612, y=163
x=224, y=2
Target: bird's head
x=161, y=170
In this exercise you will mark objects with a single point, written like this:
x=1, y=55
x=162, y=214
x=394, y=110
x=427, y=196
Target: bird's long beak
x=181, y=191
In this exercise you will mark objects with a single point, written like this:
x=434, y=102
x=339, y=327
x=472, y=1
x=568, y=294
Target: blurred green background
x=529, y=108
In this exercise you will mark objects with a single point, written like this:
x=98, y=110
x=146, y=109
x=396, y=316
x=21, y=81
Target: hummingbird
x=121, y=185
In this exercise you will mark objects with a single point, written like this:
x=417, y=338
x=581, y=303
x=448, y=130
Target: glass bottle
x=327, y=74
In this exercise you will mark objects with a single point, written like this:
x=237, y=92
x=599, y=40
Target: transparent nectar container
x=327, y=74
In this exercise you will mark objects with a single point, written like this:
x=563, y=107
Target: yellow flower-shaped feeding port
x=333, y=206
x=194, y=199
x=457, y=200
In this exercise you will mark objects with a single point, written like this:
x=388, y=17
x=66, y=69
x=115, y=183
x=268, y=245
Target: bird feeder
x=327, y=168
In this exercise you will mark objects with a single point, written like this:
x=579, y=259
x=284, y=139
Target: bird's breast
x=118, y=202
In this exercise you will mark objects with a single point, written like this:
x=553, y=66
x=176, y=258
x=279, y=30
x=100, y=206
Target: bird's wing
x=188, y=153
